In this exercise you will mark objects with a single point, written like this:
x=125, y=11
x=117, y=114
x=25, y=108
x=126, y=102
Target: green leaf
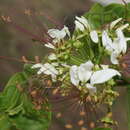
x=95, y=16
x=19, y=113
x=114, y=11
x=18, y=78
x=112, y=6
x=10, y=97
x=25, y=123
x=4, y=122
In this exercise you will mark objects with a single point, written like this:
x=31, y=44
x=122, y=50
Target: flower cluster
x=88, y=59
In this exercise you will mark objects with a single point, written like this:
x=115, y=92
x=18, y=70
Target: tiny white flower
x=47, y=69
x=57, y=34
x=113, y=24
x=91, y=88
x=49, y=45
x=94, y=36
x=102, y=76
x=116, y=47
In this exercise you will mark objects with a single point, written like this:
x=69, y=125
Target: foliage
x=17, y=109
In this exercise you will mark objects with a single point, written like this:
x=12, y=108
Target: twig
x=15, y=59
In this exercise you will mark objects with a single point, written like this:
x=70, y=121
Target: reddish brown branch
x=15, y=59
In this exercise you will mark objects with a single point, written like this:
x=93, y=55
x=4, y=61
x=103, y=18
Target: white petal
x=79, y=26
x=66, y=30
x=49, y=45
x=84, y=21
x=53, y=32
x=91, y=88
x=39, y=65
x=52, y=57
x=74, y=75
x=127, y=39
x=112, y=25
x=94, y=36
x=57, y=34
x=65, y=65
x=89, y=65
x=104, y=38
x=40, y=71
x=104, y=66
x=49, y=69
x=83, y=74
x=55, y=64
x=123, y=27
x=85, y=71
x=122, y=41
x=61, y=34
x=107, y=41
x=114, y=58
x=53, y=77
x=102, y=76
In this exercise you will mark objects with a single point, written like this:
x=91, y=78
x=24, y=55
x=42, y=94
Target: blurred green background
x=16, y=44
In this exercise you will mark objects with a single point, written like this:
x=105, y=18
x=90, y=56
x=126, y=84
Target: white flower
x=84, y=73
x=81, y=73
x=81, y=23
x=94, y=36
x=116, y=47
x=47, y=69
x=102, y=76
x=121, y=41
x=119, y=45
x=49, y=45
x=113, y=24
x=57, y=34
